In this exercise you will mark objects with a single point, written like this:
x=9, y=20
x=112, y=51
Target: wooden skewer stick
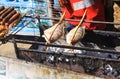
x=56, y=25
x=60, y=21
x=77, y=27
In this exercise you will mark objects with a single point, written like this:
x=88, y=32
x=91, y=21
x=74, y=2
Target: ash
x=62, y=41
x=107, y=71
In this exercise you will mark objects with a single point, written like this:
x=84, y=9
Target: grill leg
x=16, y=48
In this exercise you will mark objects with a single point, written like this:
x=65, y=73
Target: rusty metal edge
x=40, y=70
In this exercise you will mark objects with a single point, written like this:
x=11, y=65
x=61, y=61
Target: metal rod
x=16, y=49
x=29, y=58
x=106, y=33
x=69, y=47
x=70, y=54
x=87, y=21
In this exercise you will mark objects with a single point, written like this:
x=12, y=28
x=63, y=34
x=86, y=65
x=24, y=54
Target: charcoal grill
x=76, y=61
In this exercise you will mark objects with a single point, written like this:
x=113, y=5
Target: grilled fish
x=76, y=33
x=55, y=32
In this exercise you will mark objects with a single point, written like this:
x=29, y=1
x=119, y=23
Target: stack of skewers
x=9, y=17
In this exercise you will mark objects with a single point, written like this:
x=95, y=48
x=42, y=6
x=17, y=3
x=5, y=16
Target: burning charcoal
x=77, y=68
x=60, y=59
x=42, y=58
x=78, y=51
x=74, y=61
x=76, y=33
x=67, y=50
x=63, y=62
x=41, y=48
x=66, y=60
x=110, y=71
x=56, y=49
x=112, y=56
x=50, y=59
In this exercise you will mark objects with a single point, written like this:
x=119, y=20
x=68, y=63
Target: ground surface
x=8, y=49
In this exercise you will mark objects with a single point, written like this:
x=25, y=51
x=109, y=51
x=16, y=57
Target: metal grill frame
x=87, y=62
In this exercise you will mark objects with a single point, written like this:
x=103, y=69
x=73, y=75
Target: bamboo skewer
x=48, y=39
x=60, y=21
x=76, y=28
x=70, y=37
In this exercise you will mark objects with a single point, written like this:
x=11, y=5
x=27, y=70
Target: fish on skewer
x=55, y=32
x=76, y=33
